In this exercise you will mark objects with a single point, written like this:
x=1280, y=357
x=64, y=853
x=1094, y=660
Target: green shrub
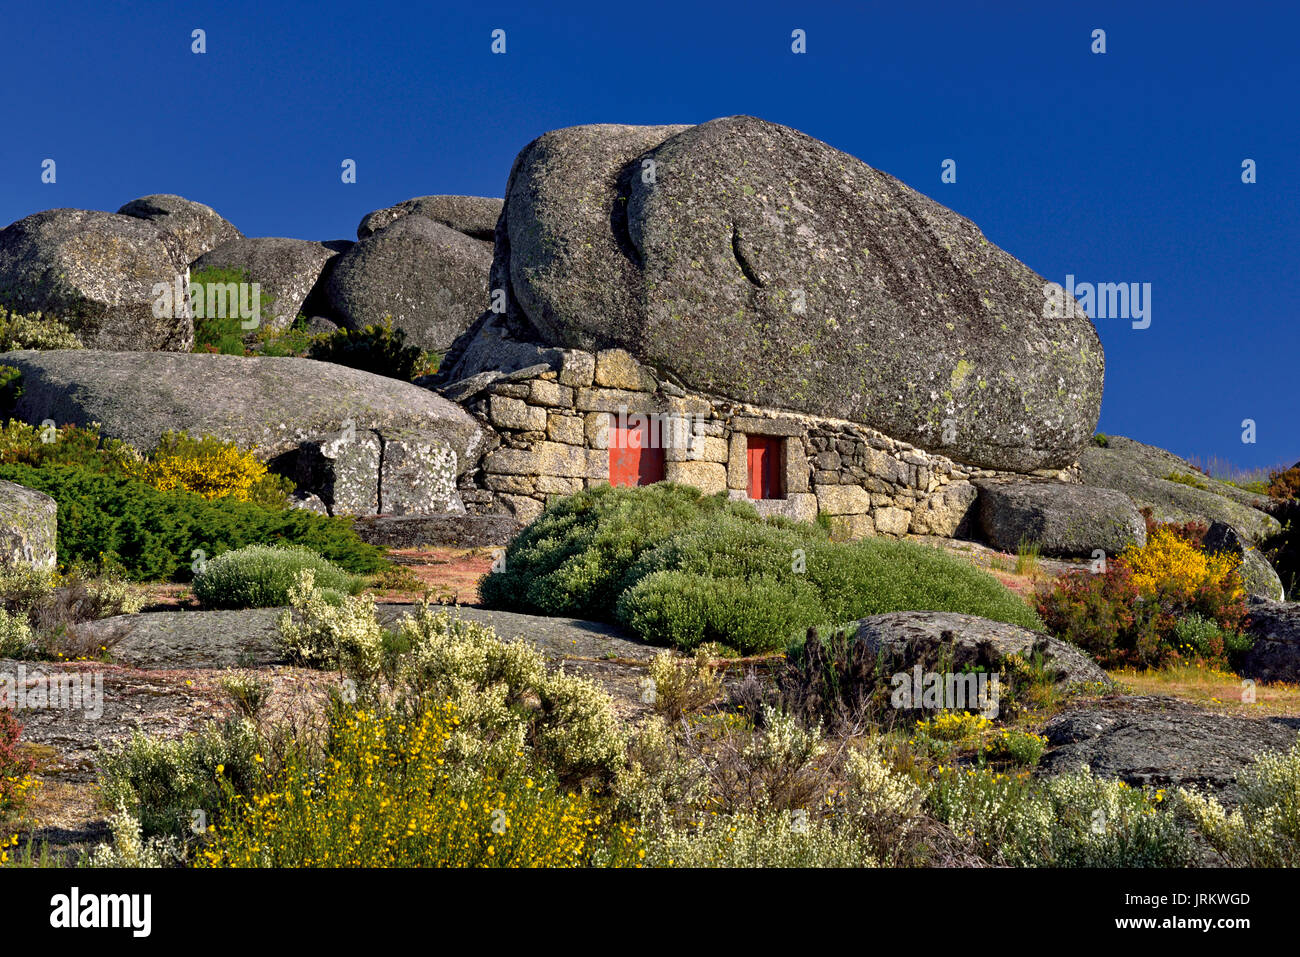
x=1012, y=746
x=686, y=610
x=260, y=576
x=683, y=568
x=11, y=388
x=34, y=331
x=380, y=349
x=162, y=783
x=156, y=535
x=225, y=334
x=15, y=634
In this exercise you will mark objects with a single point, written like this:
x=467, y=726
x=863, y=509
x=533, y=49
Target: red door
x=631, y=461
x=764, y=453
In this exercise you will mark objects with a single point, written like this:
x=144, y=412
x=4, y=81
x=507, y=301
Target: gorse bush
x=212, y=468
x=678, y=567
x=261, y=576
x=387, y=796
x=1129, y=614
x=156, y=535
x=34, y=331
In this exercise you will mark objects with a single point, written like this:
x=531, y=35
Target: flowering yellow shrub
x=1169, y=561
x=387, y=798
x=208, y=466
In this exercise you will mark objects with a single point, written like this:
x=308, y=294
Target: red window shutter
x=764, y=460
x=630, y=462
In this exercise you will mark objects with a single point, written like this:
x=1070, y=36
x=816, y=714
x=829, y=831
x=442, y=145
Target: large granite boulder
x=748, y=260
x=28, y=526
x=1143, y=473
x=287, y=270
x=1065, y=521
x=363, y=443
x=101, y=273
x=949, y=641
x=199, y=228
x=1256, y=573
x=475, y=216
x=430, y=279
x=1275, y=655
x=1162, y=743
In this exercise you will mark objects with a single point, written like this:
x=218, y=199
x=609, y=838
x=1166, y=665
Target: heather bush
x=261, y=576
x=1129, y=613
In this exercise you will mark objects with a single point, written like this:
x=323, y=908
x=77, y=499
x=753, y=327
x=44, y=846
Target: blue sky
x=1121, y=167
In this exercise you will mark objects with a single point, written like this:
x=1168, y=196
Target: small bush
x=261, y=576
x=156, y=535
x=15, y=634
x=1011, y=746
x=321, y=631
x=1264, y=829
x=682, y=685
x=34, y=331
x=508, y=701
x=162, y=783
x=225, y=334
x=1284, y=486
x=11, y=389
x=380, y=349
x=15, y=766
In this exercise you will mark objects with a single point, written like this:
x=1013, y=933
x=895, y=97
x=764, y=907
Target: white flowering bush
x=34, y=331
x=130, y=848
x=508, y=700
x=320, y=630
x=15, y=633
x=757, y=839
x=1068, y=820
x=1264, y=829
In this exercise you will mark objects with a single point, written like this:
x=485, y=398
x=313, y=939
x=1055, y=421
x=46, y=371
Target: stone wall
x=549, y=437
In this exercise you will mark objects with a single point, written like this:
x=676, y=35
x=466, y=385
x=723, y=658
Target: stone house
x=581, y=419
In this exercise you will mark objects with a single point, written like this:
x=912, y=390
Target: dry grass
x=1212, y=689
